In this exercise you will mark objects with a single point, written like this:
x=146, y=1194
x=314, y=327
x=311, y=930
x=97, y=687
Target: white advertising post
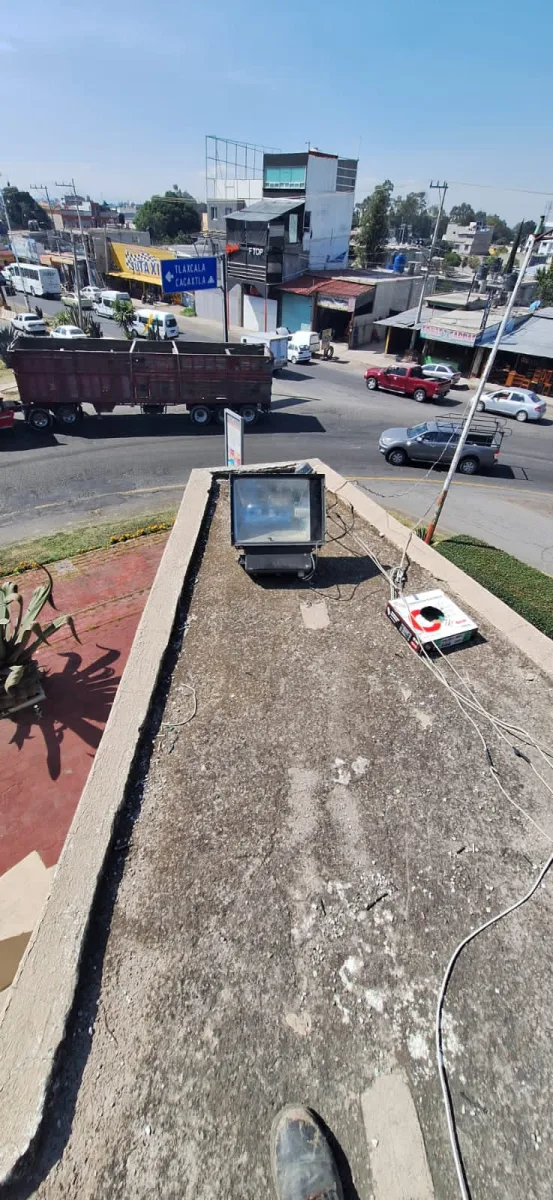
x=234, y=439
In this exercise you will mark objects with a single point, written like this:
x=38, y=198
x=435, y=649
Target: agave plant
x=21, y=634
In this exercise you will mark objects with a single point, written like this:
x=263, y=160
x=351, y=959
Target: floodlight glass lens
x=273, y=511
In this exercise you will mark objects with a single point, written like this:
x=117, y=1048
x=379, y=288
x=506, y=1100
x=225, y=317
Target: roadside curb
x=34, y=1022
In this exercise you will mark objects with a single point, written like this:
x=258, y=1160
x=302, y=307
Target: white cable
x=462, y=702
x=450, y=1116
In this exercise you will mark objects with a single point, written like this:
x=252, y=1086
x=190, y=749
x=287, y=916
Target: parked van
x=149, y=318
x=104, y=306
x=277, y=344
x=305, y=337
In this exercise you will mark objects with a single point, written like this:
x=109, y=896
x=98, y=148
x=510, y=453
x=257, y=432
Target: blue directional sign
x=188, y=274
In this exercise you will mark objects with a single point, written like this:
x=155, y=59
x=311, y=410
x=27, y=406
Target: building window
x=306, y=222
x=293, y=228
x=213, y=213
x=228, y=210
x=284, y=177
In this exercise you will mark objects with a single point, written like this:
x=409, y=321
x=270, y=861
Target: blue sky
x=121, y=95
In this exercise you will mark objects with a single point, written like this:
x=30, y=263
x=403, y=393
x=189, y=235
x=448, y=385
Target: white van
x=148, y=318
x=104, y=306
x=305, y=338
x=275, y=342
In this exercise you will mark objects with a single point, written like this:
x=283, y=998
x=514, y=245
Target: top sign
x=188, y=274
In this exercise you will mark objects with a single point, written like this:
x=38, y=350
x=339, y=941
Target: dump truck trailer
x=55, y=381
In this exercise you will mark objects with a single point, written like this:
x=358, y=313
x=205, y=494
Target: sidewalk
x=45, y=762
x=511, y=522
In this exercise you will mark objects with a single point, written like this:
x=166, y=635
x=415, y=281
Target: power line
x=502, y=187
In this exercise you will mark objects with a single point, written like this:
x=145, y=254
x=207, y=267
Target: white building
x=326, y=185
x=468, y=239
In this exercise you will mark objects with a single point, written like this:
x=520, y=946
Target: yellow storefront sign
x=138, y=262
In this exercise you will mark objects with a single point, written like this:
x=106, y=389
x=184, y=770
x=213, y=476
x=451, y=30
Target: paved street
x=127, y=463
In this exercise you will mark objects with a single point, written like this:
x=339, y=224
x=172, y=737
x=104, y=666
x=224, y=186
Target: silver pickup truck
x=436, y=441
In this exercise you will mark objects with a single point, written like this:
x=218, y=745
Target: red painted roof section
x=307, y=285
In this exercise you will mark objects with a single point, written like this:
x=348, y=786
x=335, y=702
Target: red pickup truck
x=406, y=379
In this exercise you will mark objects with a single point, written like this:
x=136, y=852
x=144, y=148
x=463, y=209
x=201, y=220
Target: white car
x=73, y=299
x=520, y=403
x=91, y=293
x=297, y=354
x=68, y=331
x=441, y=371
x=29, y=323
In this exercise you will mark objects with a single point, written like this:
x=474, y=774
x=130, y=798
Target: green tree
x=374, y=224
x=444, y=220
x=462, y=214
x=123, y=313
x=450, y=261
x=501, y=231
x=22, y=208
x=412, y=213
x=528, y=227
x=473, y=262
x=544, y=283
x=174, y=217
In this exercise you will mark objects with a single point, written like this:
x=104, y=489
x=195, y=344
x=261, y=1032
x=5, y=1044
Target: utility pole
x=442, y=188
x=41, y=187
x=15, y=254
x=77, y=280
x=538, y=236
x=72, y=184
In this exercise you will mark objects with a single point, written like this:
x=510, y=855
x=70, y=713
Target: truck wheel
x=39, y=418
x=372, y=383
x=397, y=457
x=68, y=414
x=200, y=414
x=329, y=352
x=419, y=395
x=249, y=413
x=468, y=466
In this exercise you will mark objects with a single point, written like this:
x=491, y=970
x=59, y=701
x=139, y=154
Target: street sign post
x=188, y=274
x=234, y=439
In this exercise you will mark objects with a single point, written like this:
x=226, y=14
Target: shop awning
x=137, y=278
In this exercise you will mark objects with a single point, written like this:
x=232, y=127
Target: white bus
x=36, y=281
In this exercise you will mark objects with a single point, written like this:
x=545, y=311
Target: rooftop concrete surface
x=297, y=859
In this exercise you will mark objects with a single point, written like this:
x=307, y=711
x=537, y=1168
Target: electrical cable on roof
x=450, y=1115
x=464, y=703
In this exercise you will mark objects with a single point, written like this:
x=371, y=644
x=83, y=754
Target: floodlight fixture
x=277, y=520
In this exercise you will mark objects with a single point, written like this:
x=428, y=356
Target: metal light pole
x=225, y=294
x=442, y=188
x=28, y=306
x=81, y=231
x=535, y=237
x=77, y=280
